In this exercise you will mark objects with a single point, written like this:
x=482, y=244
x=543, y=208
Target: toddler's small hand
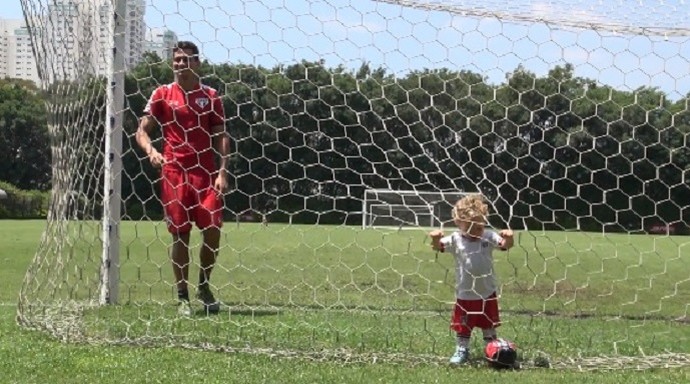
x=436, y=236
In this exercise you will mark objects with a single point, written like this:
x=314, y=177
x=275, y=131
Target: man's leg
x=208, y=215
x=180, y=263
x=174, y=196
x=208, y=254
x=207, y=259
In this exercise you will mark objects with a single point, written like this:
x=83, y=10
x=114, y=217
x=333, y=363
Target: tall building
x=160, y=41
x=76, y=40
x=17, y=60
x=136, y=32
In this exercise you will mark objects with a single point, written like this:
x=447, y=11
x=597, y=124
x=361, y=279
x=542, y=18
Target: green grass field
x=338, y=299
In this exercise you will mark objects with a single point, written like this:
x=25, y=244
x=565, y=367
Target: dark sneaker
x=206, y=296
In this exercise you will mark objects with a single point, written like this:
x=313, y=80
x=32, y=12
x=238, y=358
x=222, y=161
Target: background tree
x=554, y=151
x=25, y=159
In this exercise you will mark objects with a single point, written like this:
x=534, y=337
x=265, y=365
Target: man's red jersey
x=186, y=119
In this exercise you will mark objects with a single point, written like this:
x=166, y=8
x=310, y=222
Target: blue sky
x=349, y=32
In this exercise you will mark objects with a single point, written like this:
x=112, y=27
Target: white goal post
x=398, y=216
x=408, y=209
x=352, y=120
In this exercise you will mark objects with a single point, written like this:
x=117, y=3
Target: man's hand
x=221, y=183
x=157, y=160
x=436, y=236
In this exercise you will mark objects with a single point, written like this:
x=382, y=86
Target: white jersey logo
x=202, y=102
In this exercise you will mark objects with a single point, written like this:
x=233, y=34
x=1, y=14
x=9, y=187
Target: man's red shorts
x=469, y=314
x=188, y=197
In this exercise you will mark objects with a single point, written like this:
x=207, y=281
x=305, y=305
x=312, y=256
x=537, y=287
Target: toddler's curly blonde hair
x=469, y=208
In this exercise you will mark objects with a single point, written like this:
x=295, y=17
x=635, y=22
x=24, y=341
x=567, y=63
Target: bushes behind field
x=21, y=204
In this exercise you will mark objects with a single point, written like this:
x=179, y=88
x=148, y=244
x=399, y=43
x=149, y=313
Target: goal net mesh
x=571, y=117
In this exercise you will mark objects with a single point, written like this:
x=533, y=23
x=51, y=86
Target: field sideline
x=28, y=357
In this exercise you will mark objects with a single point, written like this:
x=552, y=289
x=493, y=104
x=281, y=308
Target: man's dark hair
x=187, y=45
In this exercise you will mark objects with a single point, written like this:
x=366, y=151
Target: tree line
x=552, y=151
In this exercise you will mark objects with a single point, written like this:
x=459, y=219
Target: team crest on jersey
x=202, y=102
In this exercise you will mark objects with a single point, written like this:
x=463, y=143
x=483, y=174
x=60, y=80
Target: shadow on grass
x=238, y=311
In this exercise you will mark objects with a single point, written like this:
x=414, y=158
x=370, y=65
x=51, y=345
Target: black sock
x=203, y=280
x=183, y=294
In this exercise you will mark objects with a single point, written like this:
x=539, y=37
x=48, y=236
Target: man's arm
x=221, y=142
x=221, y=139
x=143, y=136
x=147, y=124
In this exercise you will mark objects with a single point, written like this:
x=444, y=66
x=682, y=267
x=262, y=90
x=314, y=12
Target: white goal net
x=351, y=119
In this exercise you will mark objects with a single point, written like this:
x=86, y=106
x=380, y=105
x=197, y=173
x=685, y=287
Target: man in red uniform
x=192, y=119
